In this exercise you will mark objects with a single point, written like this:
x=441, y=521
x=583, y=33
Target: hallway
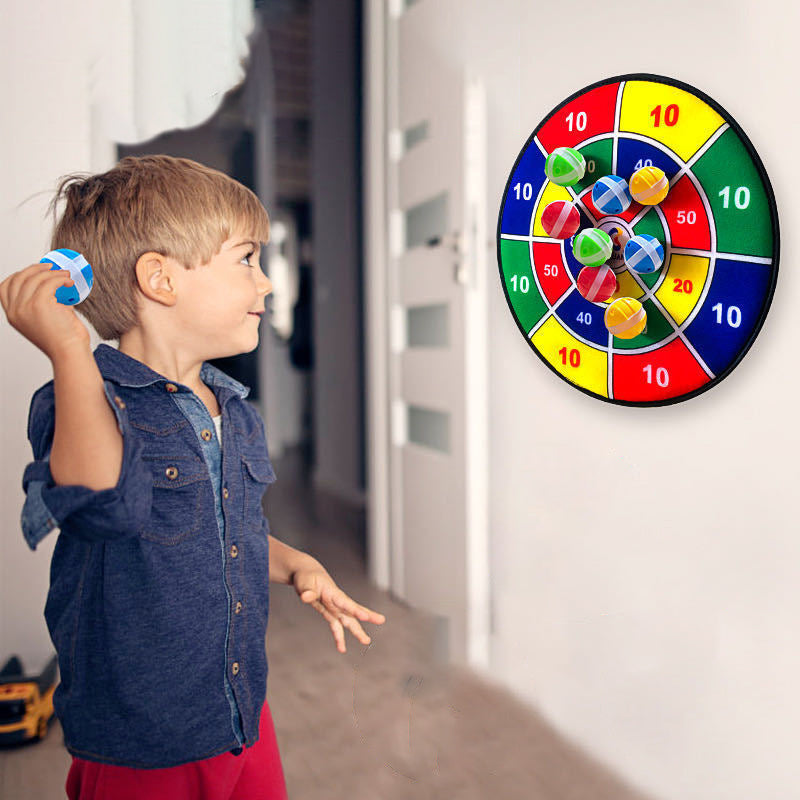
x=383, y=722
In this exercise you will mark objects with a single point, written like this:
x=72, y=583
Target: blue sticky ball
x=644, y=253
x=78, y=268
x=611, y=195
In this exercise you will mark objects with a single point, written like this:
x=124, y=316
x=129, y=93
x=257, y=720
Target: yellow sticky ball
x=625, y=318
x=648, y=186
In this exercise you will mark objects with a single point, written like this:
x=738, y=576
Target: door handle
x=453, y=241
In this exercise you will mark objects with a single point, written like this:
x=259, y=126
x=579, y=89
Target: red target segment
x=551, y=270
x=589, y=114
x=686, y=216
x=658, y=374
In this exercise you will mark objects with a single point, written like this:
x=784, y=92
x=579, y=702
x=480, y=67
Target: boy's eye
x=247, y=257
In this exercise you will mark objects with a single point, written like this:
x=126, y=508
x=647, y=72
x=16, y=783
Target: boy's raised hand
x=315, y=586
x=29, y=300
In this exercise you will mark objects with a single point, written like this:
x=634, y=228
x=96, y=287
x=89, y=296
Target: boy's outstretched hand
x=315, y=586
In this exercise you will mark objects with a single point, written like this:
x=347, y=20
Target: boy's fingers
x=338, y=622
x=357, y=610
x=358, y=631
x=335, y=623
x=34, y=280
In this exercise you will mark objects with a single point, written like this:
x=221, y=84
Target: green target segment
x=737, y=197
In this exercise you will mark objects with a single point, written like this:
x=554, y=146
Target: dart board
x=718, y=226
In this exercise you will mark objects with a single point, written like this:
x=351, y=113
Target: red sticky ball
x=597, y=284
x=561, y=219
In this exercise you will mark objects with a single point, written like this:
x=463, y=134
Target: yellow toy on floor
x=26, y=703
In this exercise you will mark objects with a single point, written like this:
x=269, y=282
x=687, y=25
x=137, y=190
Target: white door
x=437, y=263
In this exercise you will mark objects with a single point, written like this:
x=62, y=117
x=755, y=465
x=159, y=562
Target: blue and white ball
x=80, y=271
x=611, y=195
x=644, y=253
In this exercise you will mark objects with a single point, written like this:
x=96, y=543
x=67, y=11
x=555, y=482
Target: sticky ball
x=625, y=318
x=610, y=194
x=649, y=186
x=644, y=253
x=565, y=166
x=597, y=284
x=79, y=270
x=561, y=219
x=592, y=247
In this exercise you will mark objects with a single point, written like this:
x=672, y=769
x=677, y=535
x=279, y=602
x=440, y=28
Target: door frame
x=376, y=306
x=385, y=565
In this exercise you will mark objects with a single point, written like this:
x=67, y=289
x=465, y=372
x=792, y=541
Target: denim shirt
x=159, y=586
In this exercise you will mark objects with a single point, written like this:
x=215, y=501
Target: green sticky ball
x=565, y=166
x=592, y=247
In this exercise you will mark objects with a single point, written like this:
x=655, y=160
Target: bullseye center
x=620, y=232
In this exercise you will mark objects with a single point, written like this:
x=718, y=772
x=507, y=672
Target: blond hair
x=173, y=206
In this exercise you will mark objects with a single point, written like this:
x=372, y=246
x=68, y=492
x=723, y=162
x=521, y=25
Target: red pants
x=255, y=774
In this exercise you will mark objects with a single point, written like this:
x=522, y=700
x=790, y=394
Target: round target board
x=718, y=226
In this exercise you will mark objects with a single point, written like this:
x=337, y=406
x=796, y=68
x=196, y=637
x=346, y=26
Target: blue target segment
x=633, y=154
x=584, y=318
x=730, y=313
x=523, y=190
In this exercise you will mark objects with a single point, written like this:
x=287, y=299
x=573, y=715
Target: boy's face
x=219, y=304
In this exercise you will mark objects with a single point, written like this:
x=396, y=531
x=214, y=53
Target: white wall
x=47, y=128
x=645, y=561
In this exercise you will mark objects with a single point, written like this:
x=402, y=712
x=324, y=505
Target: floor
x=380, y=722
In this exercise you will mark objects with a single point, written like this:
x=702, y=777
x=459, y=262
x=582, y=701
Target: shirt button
x=119, y=401
x=225, y=492
x=238, y=607
x=235, y=668
x=234, y=551
x=206, y=434
x=171, y=472
x=171, y=387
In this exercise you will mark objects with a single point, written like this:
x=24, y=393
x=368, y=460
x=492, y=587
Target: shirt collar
x=124, y=370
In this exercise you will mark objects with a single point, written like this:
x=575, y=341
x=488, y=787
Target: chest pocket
x=258, y=474
x=178, y=486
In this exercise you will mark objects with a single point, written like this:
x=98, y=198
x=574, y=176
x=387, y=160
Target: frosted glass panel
x=414, y=135
x=429, y=428
x=427, y=326
x=427, y=220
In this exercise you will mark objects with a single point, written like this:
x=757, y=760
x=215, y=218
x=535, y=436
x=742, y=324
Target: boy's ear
x=155, y=278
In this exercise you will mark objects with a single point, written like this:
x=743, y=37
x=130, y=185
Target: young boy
x=153, y=466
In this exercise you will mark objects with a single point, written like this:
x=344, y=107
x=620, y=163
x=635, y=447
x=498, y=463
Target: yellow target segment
x=683, y=285
x=551, y=192
x=576, y=361
x=680, y=120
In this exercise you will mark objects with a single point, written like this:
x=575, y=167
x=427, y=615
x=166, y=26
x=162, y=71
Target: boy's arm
x=87, y=444
x=101, y=491
x=284, y=560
